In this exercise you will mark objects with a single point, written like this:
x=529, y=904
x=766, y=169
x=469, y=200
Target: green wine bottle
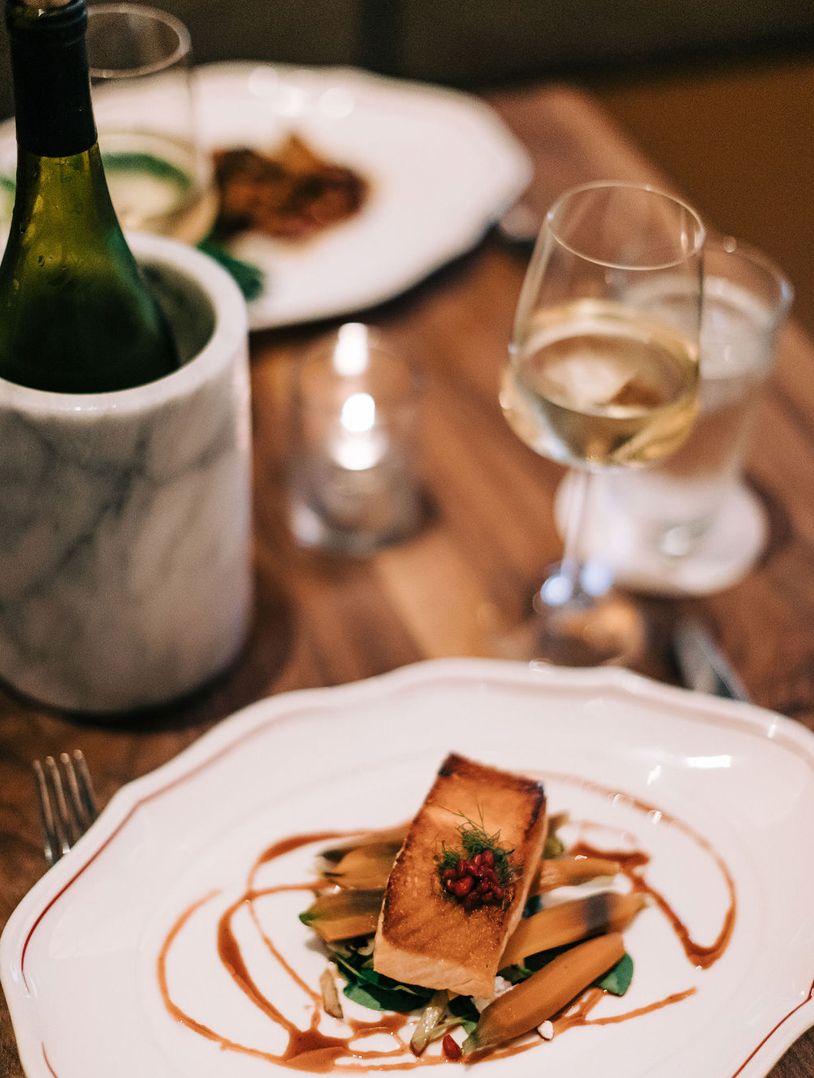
x=76, y=315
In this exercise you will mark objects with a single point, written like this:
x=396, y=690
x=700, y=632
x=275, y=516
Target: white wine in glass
x=600, y=376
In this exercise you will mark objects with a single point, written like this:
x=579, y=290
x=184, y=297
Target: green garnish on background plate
x=249, y=278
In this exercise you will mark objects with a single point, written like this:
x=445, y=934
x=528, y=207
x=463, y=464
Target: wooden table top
x=488, y=532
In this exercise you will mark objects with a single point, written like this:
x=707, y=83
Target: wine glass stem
x=575, y=515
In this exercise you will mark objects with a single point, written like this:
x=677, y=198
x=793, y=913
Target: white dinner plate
x=707, y=788
x=442, y=168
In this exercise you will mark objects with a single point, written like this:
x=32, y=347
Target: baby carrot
x=544, y=993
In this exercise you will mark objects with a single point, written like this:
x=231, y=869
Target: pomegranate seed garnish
x=481, y=878
x=452, y=1049
x=461, y=887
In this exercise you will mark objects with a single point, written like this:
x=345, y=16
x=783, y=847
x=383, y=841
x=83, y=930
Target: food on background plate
x=291, y=193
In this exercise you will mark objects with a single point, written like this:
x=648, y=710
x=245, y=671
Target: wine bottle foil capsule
x=125, y=522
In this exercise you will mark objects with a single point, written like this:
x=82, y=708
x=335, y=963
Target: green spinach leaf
x=617, y=979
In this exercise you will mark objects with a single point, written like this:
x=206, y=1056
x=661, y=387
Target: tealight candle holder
x=354, y=463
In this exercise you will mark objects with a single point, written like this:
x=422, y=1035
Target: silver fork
x=66, y=800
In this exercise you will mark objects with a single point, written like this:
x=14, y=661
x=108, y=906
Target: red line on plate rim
x=712, y=718
x=772, y=1032
x=48, y=1061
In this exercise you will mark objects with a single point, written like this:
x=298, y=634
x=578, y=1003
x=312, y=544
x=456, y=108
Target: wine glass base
x=583, y=630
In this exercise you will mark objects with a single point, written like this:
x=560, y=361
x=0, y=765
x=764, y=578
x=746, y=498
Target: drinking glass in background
x=690, y=524
x=602, y=374
x=143, y=98
x=353, y=465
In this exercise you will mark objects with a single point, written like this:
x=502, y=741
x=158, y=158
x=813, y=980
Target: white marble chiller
x=125, y=517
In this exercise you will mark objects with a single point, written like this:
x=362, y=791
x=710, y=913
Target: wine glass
x=603, y=373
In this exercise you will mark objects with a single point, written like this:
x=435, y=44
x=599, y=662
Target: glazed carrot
x=569, y=922
x=544, y=993
x=366, y=867
x=333, y=854
x=344, y=915
x=565, y=871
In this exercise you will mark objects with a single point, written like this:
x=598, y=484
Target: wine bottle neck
x=51, y=85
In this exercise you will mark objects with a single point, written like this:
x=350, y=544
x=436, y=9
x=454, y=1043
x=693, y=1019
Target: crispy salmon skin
x=426, y=937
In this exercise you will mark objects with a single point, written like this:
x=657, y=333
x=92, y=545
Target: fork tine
x=85, y=786
x=51, y=846
x=65, y=826
x=81, y=803
x=76, y=808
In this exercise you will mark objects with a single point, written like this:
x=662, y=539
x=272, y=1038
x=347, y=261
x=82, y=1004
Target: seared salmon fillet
x=425, y=936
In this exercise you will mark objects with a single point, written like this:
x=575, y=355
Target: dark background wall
x=478, y=42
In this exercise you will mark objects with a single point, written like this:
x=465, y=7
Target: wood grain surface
x=487, y=533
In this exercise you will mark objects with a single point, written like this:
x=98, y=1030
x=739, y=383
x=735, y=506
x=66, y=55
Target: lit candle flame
x=361, y=445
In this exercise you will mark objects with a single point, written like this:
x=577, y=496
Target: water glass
x=143, y=98
x=676, y=505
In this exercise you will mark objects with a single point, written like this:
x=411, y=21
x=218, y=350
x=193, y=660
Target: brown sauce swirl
x=702, y=955
x=312, y=1050
x=576, y=1014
